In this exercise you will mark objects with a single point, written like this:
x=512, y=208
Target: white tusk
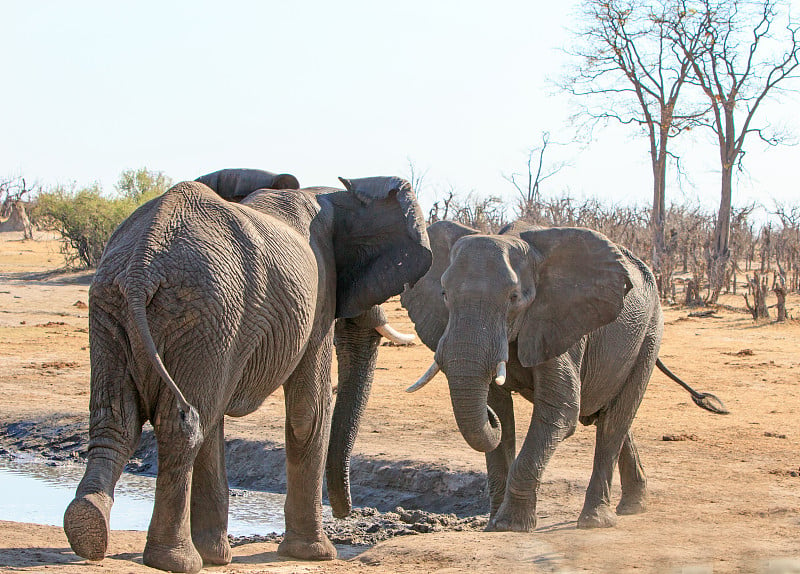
x=500, y=377
x=394, y=336
x=424, y=379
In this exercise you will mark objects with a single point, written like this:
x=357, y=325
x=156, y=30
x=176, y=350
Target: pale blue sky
x=322, y=89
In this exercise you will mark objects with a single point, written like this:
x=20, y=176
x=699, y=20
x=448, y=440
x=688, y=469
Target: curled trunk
x=476, y=421
x=470, y=353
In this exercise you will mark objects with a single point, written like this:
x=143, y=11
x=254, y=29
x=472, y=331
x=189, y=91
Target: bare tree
x=633, y=71
x=779, y=288
x=486, y=214
x=788, y=244
x=743, y=240
x=758, y=287
x=416, y=176
x=442, y=209
x=737, y=67
x=528, y=184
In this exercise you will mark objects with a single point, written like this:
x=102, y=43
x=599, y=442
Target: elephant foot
x=297, y=546
x=598, y=517
x=86, y=525
x=180, y=558
x=632, y=504
x=515, y=515
x=213, y=547
x=495, y=502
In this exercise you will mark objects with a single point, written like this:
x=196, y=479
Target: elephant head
x=541, y=290
x=380, y=245
x=236, y=184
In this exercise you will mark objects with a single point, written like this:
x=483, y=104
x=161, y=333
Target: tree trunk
x=779, y=288
x=719, y=251
x=766, y=243
x=693, y=298
x=758, y=288
x=657, y=220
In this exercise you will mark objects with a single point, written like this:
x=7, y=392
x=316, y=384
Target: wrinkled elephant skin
x=201, y=308
x=565, y=318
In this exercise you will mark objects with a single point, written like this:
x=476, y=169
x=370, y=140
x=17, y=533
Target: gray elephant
x=356, y=341
x=201, y=308
x=236, y=184
x=564, y=317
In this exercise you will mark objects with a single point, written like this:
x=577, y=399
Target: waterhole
x=39, y=492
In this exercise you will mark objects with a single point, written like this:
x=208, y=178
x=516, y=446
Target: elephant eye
x=444, y=296
x=514, y=298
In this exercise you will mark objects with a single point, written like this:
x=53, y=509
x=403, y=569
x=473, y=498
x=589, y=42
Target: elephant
x=236, y=184
x=356, y=341
x=201, y=308
x=561, y=316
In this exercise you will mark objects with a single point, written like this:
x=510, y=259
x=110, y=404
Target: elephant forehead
x=481, y=260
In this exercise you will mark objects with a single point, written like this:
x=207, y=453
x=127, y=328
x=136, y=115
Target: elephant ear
x=380, y=242
x=424, y=301
x=581, y=281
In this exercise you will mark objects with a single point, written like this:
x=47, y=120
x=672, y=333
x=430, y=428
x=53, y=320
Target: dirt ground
x=724, y=490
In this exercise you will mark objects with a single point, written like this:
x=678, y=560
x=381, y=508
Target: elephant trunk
x=470, y=367
x=476, y=421
x=357, y=344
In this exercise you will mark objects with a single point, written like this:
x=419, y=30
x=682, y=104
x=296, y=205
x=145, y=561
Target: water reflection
x=37, y=492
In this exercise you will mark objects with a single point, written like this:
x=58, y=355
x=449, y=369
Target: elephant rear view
x=202, y=308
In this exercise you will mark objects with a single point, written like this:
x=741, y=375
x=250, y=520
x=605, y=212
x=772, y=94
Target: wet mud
x=390, y=498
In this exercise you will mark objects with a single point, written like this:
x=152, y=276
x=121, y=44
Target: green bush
x=142, y=185
x=86, y=218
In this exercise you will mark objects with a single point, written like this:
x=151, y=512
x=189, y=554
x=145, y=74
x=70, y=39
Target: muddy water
x=38, y=492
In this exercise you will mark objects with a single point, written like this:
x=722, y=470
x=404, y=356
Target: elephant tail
x=189, y=418
x=705, y=401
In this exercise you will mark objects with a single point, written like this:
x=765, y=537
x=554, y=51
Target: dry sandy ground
x=724, y=497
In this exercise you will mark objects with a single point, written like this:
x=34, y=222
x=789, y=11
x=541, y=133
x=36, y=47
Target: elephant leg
x=499, y=461
x=632, y=478
x=611, y=433
x=114, y=429
x=169, y=539
x=555, y=416
x=308, y=416
x=209, y=505
x=612, y=439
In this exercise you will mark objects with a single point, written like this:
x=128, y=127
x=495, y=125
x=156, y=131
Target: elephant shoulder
x=295, y=208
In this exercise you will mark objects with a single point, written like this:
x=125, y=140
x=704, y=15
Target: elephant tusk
x=424, y=379
x=393, y=335
x=500, y=377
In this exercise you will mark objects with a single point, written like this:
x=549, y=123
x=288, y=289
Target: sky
x=461, y=89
